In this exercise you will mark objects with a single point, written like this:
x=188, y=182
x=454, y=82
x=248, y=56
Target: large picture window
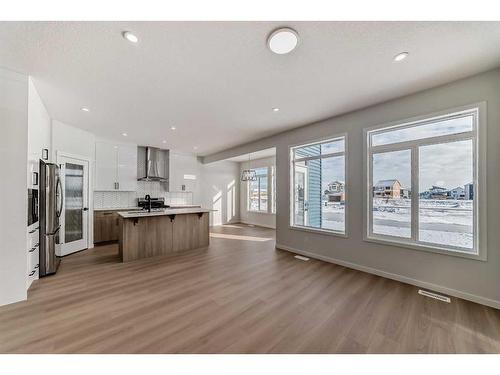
x=258, y=191
x=318, y=176
x=423, y=182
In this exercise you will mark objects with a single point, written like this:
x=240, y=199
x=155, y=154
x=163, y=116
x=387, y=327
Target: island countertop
x=166, y=211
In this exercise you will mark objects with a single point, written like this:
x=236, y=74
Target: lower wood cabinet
x=144, y=237
x=106, y=225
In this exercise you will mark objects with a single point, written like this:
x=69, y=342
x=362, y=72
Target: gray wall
x=471, y=279
x=13, y=185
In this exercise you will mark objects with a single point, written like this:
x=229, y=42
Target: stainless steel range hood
x=155, y=166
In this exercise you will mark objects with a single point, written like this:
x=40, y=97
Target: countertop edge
x=173, y=211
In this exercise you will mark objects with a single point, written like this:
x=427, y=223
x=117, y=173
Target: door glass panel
x=73, y=202
x=391, y=193
x=446, y=199
x=300, y=192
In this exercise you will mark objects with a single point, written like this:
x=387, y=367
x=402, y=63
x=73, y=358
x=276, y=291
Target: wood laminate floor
x=238, y=296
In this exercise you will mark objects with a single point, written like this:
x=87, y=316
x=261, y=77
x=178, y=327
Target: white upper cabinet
x=183, y=172
x=127, y=167
x=116, y=167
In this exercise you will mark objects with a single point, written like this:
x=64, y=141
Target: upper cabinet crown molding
x=115, y=166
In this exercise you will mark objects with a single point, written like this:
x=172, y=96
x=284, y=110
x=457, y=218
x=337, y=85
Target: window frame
x=291, y=184
x=259, y=177
x=478, y=137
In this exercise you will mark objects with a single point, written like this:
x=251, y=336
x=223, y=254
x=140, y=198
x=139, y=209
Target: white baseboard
x=407, y=280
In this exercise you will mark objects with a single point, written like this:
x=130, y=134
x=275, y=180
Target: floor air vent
x=434, y=295
x=300, y=257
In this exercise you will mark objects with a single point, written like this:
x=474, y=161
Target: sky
x=332, y=169
x=434, y=129
x=447, y=165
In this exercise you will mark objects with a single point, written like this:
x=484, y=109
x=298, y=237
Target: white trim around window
x=291, y=184
x=478, y=137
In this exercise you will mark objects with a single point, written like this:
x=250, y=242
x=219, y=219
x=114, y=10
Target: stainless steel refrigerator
x=50, y=206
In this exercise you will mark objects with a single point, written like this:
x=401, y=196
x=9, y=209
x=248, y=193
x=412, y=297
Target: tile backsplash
x=119, y=199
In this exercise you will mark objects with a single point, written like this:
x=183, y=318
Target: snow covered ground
x=446, y=222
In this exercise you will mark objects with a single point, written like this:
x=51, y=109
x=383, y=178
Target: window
x=422, y=183
x=257, y=191
x=318, y=175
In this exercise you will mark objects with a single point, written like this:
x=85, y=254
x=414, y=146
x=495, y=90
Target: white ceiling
x=268, y=152
x=217, y=82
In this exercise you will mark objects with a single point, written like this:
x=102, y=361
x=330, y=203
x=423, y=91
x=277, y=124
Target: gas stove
x=157, y=204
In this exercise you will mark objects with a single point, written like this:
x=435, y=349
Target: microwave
x=32, y=206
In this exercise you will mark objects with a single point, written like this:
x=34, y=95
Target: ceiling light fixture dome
x=283, y=41
x=401, y=56
x=130, y=36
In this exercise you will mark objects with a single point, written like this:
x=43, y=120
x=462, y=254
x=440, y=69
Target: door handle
x=85, y=209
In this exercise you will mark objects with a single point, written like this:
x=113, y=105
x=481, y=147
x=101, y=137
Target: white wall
x=263, y=219
x=220, y=191
x=13, y=185
x=471, y=279
x=39, y=129
x=71, y=140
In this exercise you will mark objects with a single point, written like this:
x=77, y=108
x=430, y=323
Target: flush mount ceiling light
x=85, y=109
x=132, y=38
x=173, y=128
x=276, y=109
x=401, y=56
x=282, y=41
x=124, y=134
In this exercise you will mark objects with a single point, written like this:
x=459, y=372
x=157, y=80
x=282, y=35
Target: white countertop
x=117, y=208
x=167, y=211
x=139, y=208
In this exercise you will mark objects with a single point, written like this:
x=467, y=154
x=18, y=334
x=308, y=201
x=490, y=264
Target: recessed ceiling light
x=164, y=141
x=283, y=41
x=85, y=109
x=276, y=109
x=173, y=128
x=124, y=134
x=401, y=56
x=132, y=38
x=195, y=148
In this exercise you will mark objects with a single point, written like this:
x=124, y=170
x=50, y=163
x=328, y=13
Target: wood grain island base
x=144, y=235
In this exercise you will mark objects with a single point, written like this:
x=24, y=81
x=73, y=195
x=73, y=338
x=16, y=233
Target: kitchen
x=97, y=186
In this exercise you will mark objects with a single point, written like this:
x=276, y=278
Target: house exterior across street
x=335, y=191
x=387, y=189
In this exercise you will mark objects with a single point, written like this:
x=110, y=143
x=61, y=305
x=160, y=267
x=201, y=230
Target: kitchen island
x=144, y=234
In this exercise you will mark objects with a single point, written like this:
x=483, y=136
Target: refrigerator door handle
x=59, y=192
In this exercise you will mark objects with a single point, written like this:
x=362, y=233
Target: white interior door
x=75, y=214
